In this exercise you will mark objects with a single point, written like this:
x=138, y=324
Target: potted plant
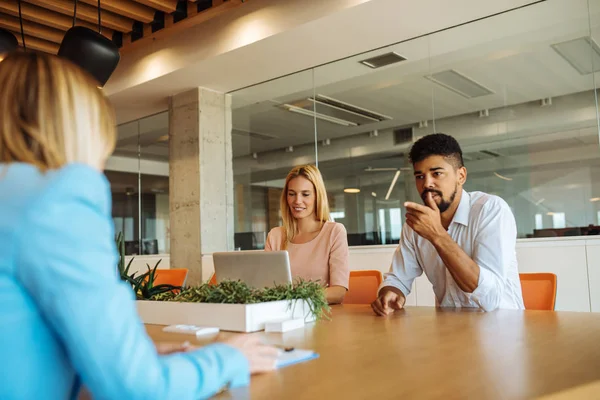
x=234, y=306
x=229, y=305
x=143, y=285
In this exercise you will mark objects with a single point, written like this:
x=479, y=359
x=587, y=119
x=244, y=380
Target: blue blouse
x=65, y=316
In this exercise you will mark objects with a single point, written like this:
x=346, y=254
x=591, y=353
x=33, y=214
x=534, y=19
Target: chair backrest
x=363, y=287
x=539, y=290
x=174, y=276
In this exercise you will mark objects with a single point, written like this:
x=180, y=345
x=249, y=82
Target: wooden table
x=429, y=353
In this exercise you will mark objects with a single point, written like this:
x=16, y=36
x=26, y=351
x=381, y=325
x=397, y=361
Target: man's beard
x=444, y=204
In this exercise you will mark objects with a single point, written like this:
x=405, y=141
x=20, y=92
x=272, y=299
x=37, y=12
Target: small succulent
x=144, y=287
x=123, y=271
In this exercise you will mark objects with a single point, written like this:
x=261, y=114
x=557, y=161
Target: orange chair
x=363, y=287
x=213, y=279
x=174, y=276
x=539, y=290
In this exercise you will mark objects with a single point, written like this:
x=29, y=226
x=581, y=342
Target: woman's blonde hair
x=52, y=113
x=290, y=225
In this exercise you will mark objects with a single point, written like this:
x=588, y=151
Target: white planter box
x=227, y=317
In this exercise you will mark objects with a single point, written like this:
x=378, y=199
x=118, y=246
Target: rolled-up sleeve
x=405, y=268
x=494, y=248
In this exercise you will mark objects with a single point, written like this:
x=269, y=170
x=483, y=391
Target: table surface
x=431, y=353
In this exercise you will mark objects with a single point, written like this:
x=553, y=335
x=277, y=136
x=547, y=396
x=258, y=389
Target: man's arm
x=427, y=222
x=398, y=282
x=463, y=269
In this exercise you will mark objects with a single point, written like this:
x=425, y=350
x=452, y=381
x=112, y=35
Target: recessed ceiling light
x=299, y=110
x=389, y=192
x=459, y=83
x=506, y=178
x=351, y=190
x=595, y=199
x=582, y=53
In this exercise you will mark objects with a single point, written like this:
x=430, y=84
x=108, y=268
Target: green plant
x=237, y=292
x=144, y=287
x=123, y=271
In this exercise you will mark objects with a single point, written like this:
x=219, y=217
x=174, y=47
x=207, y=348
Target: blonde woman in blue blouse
x=66, y=319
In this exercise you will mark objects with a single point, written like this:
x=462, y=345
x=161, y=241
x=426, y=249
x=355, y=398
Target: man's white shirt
x=484, y=228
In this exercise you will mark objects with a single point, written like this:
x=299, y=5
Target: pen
x=284, y=348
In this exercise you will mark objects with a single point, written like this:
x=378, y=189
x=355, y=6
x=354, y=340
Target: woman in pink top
x=318, y=249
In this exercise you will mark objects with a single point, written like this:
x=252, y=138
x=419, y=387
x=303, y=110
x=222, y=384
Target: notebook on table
x=287, y=358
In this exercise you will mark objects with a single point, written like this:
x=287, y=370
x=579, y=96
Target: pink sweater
x=325, y=258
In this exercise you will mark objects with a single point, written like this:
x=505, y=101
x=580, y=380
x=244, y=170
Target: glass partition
x=270, y=135
x=138, y=173
x=516, y=89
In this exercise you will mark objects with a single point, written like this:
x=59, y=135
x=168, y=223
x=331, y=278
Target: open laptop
x=258, y=269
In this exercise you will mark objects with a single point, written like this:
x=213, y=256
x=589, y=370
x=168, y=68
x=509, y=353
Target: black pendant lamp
x=90, y=50
x=8, y=42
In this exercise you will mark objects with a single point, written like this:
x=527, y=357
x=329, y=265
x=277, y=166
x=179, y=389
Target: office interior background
x=521, y=101
x=517, y=89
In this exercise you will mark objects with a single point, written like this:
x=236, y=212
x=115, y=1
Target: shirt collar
x=464, y=208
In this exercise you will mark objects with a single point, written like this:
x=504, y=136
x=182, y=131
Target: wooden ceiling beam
x=167, y=6
x=46, y=17
x=35, y=43
x=125, y=8
x=87, y=13
x=173, y=29
x=31, y=29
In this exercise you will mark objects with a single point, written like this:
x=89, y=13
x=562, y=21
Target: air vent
x=583, y=54
x=403, y=135
x=383, y=60
x=335, y=111
x=459, y=84
x=253, y=135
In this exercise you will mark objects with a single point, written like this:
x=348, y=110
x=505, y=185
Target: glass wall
x=517, y=90
x=139, y=180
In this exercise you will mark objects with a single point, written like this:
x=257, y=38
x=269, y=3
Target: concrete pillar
x=200, y=178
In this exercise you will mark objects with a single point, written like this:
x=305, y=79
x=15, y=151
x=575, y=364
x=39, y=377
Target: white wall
x=576, y=262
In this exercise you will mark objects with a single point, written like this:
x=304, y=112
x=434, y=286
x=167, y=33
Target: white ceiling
x=517, y=64
x=518, y=68
x=262, y=39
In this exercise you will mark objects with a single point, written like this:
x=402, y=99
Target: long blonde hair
x=290, y=225
x=52, y=113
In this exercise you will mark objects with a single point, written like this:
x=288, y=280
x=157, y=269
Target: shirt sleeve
x=339, y=265
x=68, y=266
x=405, y=268
x=493, y=250
x=269, y=245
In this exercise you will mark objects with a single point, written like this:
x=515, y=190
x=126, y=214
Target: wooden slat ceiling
x=123, y=21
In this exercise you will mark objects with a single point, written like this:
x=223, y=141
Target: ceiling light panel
x=582, y=53
x=460, y=84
